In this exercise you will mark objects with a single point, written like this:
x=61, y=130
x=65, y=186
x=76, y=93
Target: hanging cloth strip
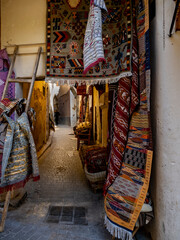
x=19, y=161
x=93, y=42
x=4, y=68
x=127, y=188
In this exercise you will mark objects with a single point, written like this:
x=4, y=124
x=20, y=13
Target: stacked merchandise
x=94, y=161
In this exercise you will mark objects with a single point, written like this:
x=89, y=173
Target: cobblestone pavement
x=62, y=183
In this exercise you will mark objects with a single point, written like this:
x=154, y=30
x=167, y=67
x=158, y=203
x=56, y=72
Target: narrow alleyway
x=62, y=183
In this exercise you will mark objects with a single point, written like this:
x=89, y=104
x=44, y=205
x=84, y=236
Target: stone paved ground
x=62, y=183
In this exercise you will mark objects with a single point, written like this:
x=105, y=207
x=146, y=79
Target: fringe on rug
x=116, y=231
x=87, y=80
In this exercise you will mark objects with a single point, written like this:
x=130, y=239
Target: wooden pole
x=33, y=79
x=5, y=210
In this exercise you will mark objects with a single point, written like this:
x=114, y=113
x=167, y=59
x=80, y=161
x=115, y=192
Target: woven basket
x=95, y=177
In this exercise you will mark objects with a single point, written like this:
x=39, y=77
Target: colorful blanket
x=19, y=161
x=96, y=160
x=127, y=100
x=83, y=151
x=66, y=27
x=93, y=43
x=127, y=189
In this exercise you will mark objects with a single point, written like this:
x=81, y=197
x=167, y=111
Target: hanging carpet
x=131, y=155
x=93, y=41
x=66, y=25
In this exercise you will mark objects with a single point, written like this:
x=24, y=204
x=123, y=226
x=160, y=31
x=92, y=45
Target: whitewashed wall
x=166, y=116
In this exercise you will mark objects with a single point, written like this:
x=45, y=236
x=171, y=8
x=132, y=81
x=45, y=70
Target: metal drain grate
x=67, y=215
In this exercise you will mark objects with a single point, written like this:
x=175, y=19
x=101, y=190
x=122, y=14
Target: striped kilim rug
x=127, y=190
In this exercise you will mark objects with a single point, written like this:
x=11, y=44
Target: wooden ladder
x=17, y=80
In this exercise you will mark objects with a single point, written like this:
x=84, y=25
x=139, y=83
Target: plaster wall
x=73, y=108
x=64, y=105
x=24, y=22
x=54, y=90
x=166, y=126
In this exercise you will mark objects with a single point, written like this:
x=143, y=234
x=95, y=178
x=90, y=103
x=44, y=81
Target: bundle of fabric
x=82, y=128
x=94, y=160
x=131, y=154
x=18, y=163
x=84, y=150
x=93, y=42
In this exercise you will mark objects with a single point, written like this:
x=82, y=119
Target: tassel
x=117, y=231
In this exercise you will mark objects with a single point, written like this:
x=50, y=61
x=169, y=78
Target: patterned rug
x=66, y=26
x=126, y=193
x=127, y=100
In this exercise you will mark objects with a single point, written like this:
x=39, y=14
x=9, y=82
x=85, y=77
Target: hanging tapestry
x=127, y=188
x=127, y=100
x=19, y=160
x=66, y=27
x=93, y=42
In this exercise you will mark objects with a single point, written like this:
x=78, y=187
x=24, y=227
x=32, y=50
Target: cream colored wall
x=24, y=22
x=166, y=126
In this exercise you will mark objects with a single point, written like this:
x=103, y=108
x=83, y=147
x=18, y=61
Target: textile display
x=93, y=51
x=4, y=68
x=96, y=160
x=111, y=113
x=19, y=160
x=83, y=151
x=81, y=90
x=66, y=25
x=7, y=106
x=120, y=130
x=129, y=173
